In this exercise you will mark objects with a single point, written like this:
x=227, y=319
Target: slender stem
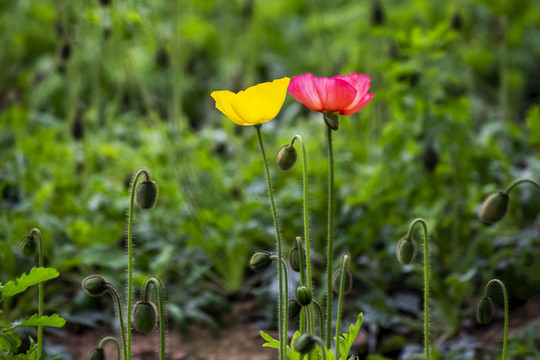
x=300, y=246
x=117, y=299
x=285, y=294
x=330, y=239
x=323, y=349
x=130, y=255
x=517, y=182
x=505, y=296
x=39, y=239
x=160, y=295
x=344, y=269
x=282, y=322
x=111, y=339
x=426, y=282
x=320, y=314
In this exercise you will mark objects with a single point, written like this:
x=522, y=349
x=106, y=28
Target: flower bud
x=147, y=193
x=144, y=316
x=97, y=354
x=336, y=281
x=430, y=158
x=484, y=310
x=28, y=246
x=305, y=343
x=331, y=119
x=294, y=309
x=494, y=207
x=260, y=261
x=406, y=250
x=286, y=157
x=294, y=261
x=95, y=285
x=304, y=296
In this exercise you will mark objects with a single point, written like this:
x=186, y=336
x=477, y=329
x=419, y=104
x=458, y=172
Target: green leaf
x=35, y=320
x=22, y=283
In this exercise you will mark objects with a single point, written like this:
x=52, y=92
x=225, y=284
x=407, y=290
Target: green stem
x=344, y=269
x=517, y=182
x=330, y=239
x=39, y=239
x=426, y=282
x=282, y=322
x=285, y=294
x=320, y=314
x=160, y=295
x=300, y=246
x=505, y=296
x=130, y=255
x=323, y=349
x=111, y=339
x=116, y=297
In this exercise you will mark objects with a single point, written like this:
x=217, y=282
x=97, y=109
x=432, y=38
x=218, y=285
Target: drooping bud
x=294, y=309
x=260, y=261
x=484, y=310
x=286, y=157
x=406, y=250
x=304, y=296
x=305, y=343
x=494, y=207
x=294, y=260
x=28, y=246
x=95, y=285
x=97, y=354
x=147, y=193
x=336, y=281
x=144, y=316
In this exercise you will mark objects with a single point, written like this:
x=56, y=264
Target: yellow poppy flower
x=255, y=105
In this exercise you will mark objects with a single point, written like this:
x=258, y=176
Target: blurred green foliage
x=89, y=93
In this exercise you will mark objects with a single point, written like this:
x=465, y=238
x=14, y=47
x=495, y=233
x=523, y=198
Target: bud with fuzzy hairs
x=144, y=316
x=484, y=310
x=28, y=246
x=286, y=157
x=494, y=207
x=260, y=261
x=406, y=250
x=147, y=193
x=95, y=285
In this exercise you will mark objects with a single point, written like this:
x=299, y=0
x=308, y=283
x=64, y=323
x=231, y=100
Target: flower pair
x=344, y=95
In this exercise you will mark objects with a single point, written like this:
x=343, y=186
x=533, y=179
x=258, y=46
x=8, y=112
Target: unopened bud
x=406, y=250
x=144, y=316
x=28, y=246
x=286, y=157
x=347, y=284
x=294, y=309
x=294, y=260
x=484, y=310
x=331, y=118
x=305, y=343
x=97, y=354
x=304, y=296
x=95, y=285
x=260, y=261
x=147, y=193
x=494, y=207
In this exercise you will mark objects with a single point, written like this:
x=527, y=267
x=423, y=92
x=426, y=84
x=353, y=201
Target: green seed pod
x=147, y=193
x=294, y=309
x=406, y=250
x=260, y=261
x=305, y=343
x=336, y=281
x=484, y=310
x=97, y=354
x=28, y=246
x=304, y=296
x=494, y=207
x=144, y=316
x=286, y=157
x=95, y=285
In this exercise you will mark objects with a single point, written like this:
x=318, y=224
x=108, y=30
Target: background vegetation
x=91, y=91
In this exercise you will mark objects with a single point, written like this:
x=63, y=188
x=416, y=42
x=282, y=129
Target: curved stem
x=117, y=299
x=130, y=254
x=505, y=296
x=323, y=349
x=517, y=182
x=426, y=281
x=344, y=269
x=300, y=247
x=320, y=314
x=160, y=295
x=282, y=322
x=285, y=293
x=111, y=339
x=39, y=239
x=330, y=239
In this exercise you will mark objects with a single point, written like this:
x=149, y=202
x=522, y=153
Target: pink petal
x=335, y=94
x=360, y=83
x=303, y=88
x=359, y=105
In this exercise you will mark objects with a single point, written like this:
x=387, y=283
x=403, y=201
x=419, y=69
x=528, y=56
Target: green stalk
x=426, y=282
x=35, y=232
x=320, y=315
x=517, y=182
x=111, y=339
x=160, y=295
x=505, y=296
x=285, y=294
x=130, y=255
x=330, y=239
x=344, y=269
x=323, y=349
x=282, y=322
x=300, y=247
x=117, y=300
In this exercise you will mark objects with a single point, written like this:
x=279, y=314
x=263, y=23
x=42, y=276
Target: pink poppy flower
x=343, y=95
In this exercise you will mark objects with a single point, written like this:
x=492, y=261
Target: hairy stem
x=505, y=296
x=160, y=295
x=517, y=182
x=39, y=239
x=330, y=240
x=113, y=340
x=344, y=269
x=118, y=301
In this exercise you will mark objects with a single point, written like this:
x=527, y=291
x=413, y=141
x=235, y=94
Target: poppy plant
x=339, y=95
x=255, y=105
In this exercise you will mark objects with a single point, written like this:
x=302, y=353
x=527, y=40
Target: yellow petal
x=224, y=100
